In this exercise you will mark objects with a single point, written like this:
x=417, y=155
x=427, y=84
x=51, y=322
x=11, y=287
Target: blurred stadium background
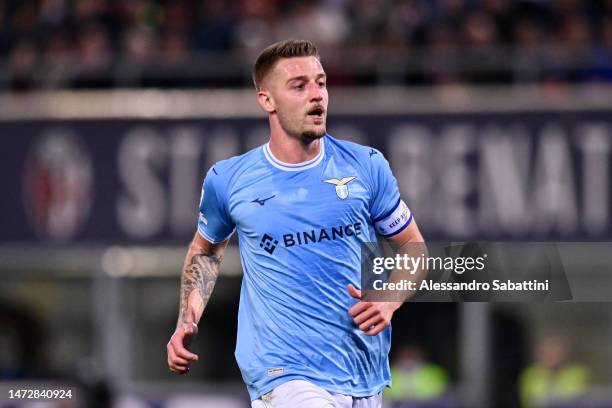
x=495, y=115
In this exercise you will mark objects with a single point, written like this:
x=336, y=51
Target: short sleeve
x=389, y=214
x=214, y=221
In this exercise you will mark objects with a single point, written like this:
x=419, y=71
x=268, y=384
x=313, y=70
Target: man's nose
x=316, y=93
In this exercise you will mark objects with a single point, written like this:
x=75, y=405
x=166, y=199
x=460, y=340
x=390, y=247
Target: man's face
x=298, y=89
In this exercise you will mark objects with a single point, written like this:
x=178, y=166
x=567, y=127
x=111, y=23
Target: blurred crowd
x=186, y=43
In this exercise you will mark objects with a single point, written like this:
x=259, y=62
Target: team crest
x=341, y=186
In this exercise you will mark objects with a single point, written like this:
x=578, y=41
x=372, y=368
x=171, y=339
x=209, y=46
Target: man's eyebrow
x=305, y=77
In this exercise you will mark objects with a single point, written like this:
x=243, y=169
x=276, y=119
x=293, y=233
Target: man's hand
x=179, y=358
x=371, y=317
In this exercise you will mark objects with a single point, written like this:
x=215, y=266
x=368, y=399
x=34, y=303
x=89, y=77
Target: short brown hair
x=282, y=49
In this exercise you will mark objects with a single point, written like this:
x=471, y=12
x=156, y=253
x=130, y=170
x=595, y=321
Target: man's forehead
x=298, y=66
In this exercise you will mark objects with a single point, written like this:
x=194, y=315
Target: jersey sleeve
x=389, y=214
x=214, y=221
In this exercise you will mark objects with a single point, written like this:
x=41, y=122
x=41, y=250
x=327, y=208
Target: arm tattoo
x=200, y=274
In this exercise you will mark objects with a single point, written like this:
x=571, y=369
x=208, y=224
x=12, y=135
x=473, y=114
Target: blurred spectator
x=89, y=10
x=142, y=13
x=415, y=378
x=256, y=24
x=451, y=12
x=601, y=68
x=318, y=21
x=174, y=47
x=552, y=378
x=139, y=45
x=214, y=29
x=24, y=19
x=94, y=48
x=502, y=15
x=177, y=16
x=22, y=61
x=573, y=48
x=440, y=67
x=368, y=21
x=406, y=22
x=52, y=13
x=482, y=51
x=23, y=56
x=528, y=54
x=94, y=58
x=4, y=29
x=57, y=59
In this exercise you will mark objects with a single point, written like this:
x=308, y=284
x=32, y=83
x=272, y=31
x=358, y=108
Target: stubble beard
x=305, y=137
x=310, y=136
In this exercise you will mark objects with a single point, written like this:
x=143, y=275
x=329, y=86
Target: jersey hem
x=334, y=390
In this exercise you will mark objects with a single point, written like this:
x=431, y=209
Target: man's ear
x=266, y=101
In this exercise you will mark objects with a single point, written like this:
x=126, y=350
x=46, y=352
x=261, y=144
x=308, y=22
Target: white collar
x=296, y=166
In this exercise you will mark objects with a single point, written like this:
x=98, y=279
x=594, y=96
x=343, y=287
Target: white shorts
x=304, y=394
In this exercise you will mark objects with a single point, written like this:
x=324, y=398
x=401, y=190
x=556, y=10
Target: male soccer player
x=302, y=205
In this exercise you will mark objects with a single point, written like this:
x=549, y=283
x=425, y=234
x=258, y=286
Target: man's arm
x=409, y=242
x=200, y=272
x=374, y=317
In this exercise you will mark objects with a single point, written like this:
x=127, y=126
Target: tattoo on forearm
x=200, y=274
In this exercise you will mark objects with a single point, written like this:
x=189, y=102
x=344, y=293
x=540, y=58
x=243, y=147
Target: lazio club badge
x=341, y=186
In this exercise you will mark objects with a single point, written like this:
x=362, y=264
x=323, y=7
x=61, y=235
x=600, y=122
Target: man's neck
x=291, y=150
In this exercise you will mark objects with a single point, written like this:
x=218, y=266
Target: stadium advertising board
x=477, y=176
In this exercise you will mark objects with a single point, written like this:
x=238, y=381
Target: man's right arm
x=200, y=272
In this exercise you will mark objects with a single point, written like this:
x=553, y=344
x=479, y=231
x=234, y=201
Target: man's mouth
x=316, y=112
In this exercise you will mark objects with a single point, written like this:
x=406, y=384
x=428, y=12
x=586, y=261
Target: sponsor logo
x=268, y=243
x=323, y=234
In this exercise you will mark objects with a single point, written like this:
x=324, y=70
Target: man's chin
x=312, y=135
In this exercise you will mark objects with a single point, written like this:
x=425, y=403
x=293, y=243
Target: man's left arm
x=374, y=317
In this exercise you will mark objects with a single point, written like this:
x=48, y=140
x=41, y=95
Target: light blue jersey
x=300, y=229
